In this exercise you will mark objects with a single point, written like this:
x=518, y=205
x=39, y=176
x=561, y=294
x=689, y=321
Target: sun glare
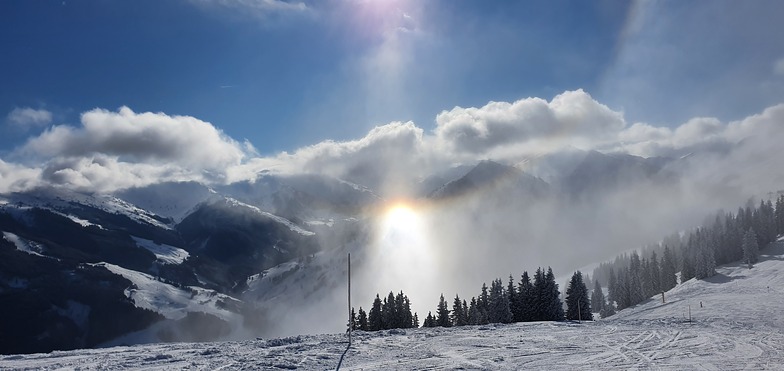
x=402, y=217
x=404, y=258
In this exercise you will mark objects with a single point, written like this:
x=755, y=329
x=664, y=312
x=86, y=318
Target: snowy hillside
x=738, y=327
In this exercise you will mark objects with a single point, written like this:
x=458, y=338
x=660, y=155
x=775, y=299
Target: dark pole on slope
x=350, y=318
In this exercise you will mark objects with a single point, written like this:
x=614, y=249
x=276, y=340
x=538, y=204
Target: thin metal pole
x=350, y=317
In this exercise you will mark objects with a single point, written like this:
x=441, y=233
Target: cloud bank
x=114, y=150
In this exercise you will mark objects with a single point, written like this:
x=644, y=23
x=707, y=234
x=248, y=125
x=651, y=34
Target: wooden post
x=662, y=297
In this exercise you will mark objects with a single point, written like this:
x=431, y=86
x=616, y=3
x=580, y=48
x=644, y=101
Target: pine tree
x=429, y=320
x=473, y=313
x=527, y=299
x=514, y=302
x=779, y=215
x=353, y=323
x=622, y=298
x=687, y=265
x=612, y=287
x=668, y=277
x=442, y=313
x=750, y=248
x=553, y=305
x=459, y=318
x=655, y=275
x=407, y=319
x=388, y=312
x=416, y=320
x=577, y=304
x=541, y=298
x=597, y=298
x=483, y=305
x=375, y=319
x=636, y=294
x=362, y=320
x=499, y=304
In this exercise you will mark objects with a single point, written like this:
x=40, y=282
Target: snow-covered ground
x=738, y=326
x=165, y=253
x=171, y=302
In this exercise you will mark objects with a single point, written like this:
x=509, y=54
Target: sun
x=402, y=217
x=402, y=230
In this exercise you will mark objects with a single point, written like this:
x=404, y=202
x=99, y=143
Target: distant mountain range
x=156, y=263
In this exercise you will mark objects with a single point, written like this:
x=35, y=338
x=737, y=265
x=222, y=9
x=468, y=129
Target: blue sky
x=285, y=75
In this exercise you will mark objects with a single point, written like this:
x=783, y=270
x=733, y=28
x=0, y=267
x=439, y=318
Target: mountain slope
x=490, y=178
x=738, y=328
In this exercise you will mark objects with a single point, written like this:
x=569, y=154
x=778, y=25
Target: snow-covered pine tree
x=750, y=248
x=597, y=297
x=442, y=313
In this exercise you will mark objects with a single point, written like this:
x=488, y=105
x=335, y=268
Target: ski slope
x=738, y=327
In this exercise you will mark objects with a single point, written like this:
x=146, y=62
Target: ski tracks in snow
x=621, y=345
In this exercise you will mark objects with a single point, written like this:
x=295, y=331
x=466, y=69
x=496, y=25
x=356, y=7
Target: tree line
x=526, y=301
x=725, y=238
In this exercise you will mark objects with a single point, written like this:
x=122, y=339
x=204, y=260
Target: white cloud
x=145, y=137
x=568, y=118
x=387, y=157
x=15, y=177
x=27, y=118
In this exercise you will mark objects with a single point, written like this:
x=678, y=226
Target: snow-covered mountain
x=736, y=327
x=489, y=177
x=604, y=173
x=168, y=257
